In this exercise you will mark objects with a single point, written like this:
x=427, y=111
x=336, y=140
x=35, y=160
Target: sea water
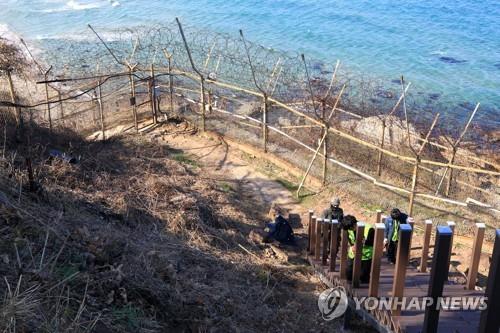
x=448, y=49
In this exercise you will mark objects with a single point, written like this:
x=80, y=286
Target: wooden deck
x=416, y=285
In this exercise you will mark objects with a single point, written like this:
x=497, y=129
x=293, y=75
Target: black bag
x=283, y=231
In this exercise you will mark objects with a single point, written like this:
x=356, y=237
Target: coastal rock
x=371, y=129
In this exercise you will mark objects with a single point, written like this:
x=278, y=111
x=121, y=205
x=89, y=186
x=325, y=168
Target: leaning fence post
x=439, y=275
x=334, y=244
x=101, y=110
x=402, y=257
x=476, y=255
x=414, y=182
x=326, y=234
x=425, y=246
x=343, y=254
x=317, y=246
x=490, y=320
x=378, y=251
x=358, y=255
x=309, y=224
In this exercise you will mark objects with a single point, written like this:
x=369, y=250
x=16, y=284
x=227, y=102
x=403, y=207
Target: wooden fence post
x=378, y=217
x=13, y=99
x=450, y=174
x=451, y=225
x=476, y=256
x=378, y=251
x=317, y=246
x=490, y=319
x=101, y=110
x=313, y=235
x=152, y=96
x=203, y=103
x=414, y=182
x=61, y=108
x=380, y=154
x=425, y=246
x=356, y=269
x=411, y=222
x=49, y=115
x=326, y=247
x=343, y=254
x=401, y=265
x=133, y=101
x=309, y=224
x=264, y=125
x=439, y=275
x=334, y=244
x=325, y=157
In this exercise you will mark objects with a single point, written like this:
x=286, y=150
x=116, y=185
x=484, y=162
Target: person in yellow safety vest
x=391, y=236
x=349, y=223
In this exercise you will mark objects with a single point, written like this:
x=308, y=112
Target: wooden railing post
x=439, y=275
x=411, y=222
x=378, y=217
x=425, y=246
x=378, y=251
x=343, y=254
x=317, y=246
x=326, y=234
x=356, y=269
x=476, y=256
x=313, y=235
x=309, y=224
x=380, y=154
x=334, y=244
x=490, y=318
x=402, y=257
x=451, y=225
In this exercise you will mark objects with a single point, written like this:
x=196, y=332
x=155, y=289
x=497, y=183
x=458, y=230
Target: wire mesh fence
x=280, y=102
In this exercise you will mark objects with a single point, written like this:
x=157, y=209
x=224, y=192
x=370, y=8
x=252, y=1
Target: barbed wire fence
x=287, y=104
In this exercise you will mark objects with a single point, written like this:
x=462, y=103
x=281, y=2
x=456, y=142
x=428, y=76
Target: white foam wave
x=74, y=5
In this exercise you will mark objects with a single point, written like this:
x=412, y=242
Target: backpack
x=283, y=231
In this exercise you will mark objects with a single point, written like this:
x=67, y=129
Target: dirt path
x=226, y=163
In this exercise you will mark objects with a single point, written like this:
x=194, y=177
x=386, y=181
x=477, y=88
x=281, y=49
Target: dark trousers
x=392, y=248
x=366, y=266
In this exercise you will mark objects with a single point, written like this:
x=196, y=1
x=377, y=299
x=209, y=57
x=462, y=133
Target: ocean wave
x=73, y=5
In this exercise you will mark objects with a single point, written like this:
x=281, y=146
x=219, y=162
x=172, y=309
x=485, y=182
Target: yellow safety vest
x=367, y=252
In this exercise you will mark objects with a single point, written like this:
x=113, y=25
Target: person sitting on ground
x=391, y=237
x=279, y=229
x=349, y=223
